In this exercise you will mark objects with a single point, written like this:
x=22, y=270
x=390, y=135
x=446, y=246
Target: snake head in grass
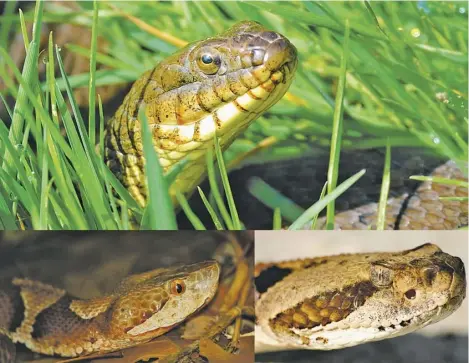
x=341, y=301
x=217, y=85
x=49, y=321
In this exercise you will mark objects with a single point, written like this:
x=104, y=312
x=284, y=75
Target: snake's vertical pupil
x=207, y=59
x=178, y=287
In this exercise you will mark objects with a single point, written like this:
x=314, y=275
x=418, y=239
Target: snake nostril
x=257, y=56
x=430, y=274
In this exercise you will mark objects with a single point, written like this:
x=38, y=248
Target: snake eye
x=206, y=59
x=410, y=294
x=209, y=61
x=177, y=287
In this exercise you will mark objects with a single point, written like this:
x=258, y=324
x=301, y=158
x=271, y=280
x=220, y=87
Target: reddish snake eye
x=178, y=287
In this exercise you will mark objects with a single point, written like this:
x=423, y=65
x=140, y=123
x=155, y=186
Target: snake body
x=49, y=321
x=420, y=210
x=340, y=301
x=215, y=86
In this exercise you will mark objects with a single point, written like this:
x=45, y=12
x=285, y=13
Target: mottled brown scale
x=421, y=210
x=330, y=307
x=49, y=321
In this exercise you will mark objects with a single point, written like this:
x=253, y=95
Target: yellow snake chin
x=197, y=290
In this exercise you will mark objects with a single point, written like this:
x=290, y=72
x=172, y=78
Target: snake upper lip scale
x=144, y=306
x=340, y=301
x=216, y=85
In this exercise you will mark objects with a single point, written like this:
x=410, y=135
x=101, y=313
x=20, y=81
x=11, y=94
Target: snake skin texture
x=215, y=86
x=420, y=210
x=333, y=302
x=48, y=320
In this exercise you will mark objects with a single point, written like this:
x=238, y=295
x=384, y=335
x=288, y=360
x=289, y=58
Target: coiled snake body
x=339, y=301
x=49, y=321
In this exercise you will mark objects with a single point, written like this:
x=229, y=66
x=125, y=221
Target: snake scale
x=49, y=321
x=219, y=86
x=340, y=301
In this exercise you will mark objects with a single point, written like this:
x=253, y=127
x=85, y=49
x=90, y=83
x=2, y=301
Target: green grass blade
x=24, y=30
x=92, y=83
x=440, y=180
x=125, y=216
x=210, y=210
x=272, y=198
x=191, y=216
x=159, y=207
x=86, y=160
x=317, y=207
x=216, y=191
x=7, y=21
x=383, y=197
x=30, y=74
x=314, y=220
x=226, y=185
x=277, y=220
x=337, y=129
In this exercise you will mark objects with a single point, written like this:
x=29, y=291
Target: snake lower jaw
x=339, y=338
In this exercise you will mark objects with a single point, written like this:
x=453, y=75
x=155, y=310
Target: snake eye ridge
x=178, y=287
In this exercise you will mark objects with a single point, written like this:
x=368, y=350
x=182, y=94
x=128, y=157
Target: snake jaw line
x=337, y=336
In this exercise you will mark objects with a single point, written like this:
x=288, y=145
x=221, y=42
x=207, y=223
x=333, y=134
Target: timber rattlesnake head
x=340, y=301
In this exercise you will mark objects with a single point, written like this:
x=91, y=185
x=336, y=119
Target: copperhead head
x=49, y=321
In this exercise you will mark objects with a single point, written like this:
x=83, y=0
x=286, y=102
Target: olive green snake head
x=214, y=86
x=49, y=321
x=340, y=301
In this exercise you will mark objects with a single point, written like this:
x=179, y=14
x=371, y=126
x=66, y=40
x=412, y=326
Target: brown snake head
x=150, y=305
x=217, y=85
x=345, y=300
x=144, y=306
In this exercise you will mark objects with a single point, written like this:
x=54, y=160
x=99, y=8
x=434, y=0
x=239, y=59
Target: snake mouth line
x=233, y=116
x=415, y=322
x=323, y=338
